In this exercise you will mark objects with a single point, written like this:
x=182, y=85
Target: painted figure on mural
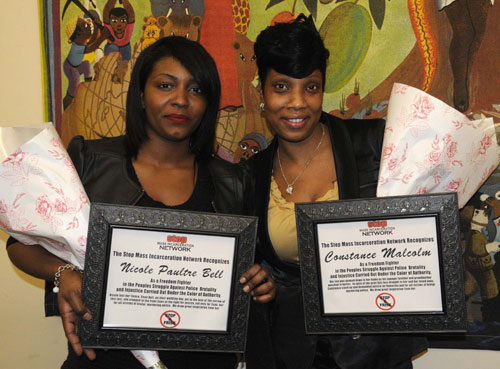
x=251, y=121
x=468, y=22
x=250, y=144
x=187, y=26
x=479, y=245
x=84, y=39
x=179, y=18
x=150, y=31
x=120, y=23
x=177, y=8
x=479, y=225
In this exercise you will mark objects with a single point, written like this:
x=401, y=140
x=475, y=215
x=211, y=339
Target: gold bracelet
x=58, y=275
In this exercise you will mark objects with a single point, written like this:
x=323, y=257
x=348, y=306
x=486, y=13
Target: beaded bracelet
x=58, y=275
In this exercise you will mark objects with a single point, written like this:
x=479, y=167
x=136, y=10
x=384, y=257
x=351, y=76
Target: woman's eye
x=166, y=85
x=255, y=150
x=313, y=87
x=196, y=90
x=280, y=86
x=243, y=145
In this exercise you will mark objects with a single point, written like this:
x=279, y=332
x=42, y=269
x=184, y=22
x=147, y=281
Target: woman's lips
x=295, y=122
x=177, y=118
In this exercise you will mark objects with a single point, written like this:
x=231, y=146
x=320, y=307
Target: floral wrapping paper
x=430, y=147
x=43, y=201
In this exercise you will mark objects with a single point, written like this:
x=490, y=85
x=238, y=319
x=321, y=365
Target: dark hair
x=118, y=12
x=294, y=49
x=201, y=66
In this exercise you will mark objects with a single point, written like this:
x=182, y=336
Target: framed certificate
x=382, y=265
x=167, y=280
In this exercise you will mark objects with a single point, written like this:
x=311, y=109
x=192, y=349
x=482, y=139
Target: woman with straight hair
x=164, y=160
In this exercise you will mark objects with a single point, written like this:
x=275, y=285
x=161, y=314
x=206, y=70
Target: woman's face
x=293, y=105
x=173, y=101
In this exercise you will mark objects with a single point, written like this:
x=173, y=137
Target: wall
x=27, y=340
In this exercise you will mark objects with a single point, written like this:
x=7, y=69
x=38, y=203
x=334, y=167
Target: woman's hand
x=258, y=282
x=72, y=309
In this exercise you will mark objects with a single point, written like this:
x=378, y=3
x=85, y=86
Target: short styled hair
x=294, y=49
x=201, y=66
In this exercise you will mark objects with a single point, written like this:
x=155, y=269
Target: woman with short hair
x=314, y=157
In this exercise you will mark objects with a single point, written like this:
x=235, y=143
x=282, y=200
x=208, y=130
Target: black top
x=200, y=200
x=356, y=147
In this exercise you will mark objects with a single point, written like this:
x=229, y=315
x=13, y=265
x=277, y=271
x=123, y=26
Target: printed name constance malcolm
x=388, y=252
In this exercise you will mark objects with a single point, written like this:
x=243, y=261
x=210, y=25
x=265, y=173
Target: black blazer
x=102, y=167
x=357, y=146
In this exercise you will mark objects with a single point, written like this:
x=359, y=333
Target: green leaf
x=273, y=3
x=377, y=8
x=312, y=6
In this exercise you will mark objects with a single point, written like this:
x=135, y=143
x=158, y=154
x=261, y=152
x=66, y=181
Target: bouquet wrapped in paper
x=430, y=147
x=43, y=201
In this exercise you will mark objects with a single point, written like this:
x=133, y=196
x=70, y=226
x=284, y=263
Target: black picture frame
x=104, y=217
x=443, y=206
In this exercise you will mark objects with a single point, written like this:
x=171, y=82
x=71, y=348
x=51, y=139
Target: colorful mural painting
x=448, y=48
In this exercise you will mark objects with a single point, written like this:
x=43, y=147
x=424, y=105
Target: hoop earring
x=262, y=107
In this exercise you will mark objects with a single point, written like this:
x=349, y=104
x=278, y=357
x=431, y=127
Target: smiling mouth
x=295, y=122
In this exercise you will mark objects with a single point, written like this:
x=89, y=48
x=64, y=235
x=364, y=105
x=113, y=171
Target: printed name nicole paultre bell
x=127, y=267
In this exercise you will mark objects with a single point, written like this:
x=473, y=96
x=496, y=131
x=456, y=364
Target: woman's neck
x=298, y=152
x=158, y=152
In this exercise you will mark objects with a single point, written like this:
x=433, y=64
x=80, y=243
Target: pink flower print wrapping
x=42, y=199
x=430, y=147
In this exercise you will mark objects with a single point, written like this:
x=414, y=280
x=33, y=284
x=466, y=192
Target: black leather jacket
x=102, y=167
x=356, y=146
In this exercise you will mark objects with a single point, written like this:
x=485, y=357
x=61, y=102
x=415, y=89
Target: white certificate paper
x=168, y=280
x=380, y=266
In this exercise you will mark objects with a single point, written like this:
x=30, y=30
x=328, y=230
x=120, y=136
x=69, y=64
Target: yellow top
x=281, y=221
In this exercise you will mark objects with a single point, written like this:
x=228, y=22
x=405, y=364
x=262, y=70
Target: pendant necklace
x=289, y=186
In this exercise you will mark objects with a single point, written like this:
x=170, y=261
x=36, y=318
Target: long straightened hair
x=201, y=66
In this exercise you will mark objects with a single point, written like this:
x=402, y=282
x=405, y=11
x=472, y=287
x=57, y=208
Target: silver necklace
x=289, y=186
